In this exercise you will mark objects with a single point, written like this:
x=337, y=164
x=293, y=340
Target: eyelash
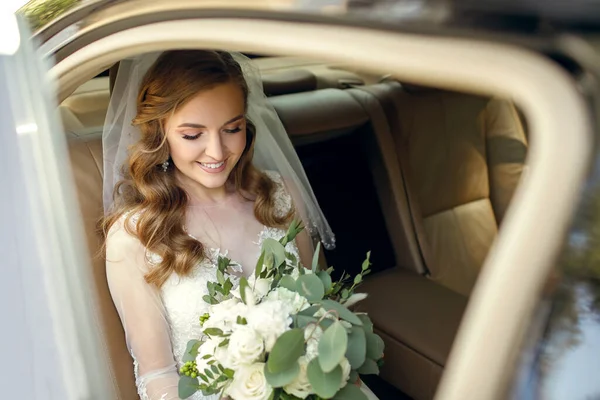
x=229, y=131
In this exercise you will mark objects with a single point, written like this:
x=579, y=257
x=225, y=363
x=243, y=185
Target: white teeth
x=213, y=166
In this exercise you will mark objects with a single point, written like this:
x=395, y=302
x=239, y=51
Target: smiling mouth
x=212, y=165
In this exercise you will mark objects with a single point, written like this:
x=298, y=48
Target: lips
x=213, y=168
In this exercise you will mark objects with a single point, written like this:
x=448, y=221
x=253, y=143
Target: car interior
x=421, y=177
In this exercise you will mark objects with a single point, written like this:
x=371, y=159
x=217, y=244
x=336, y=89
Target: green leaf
x=213, y=332
x=187, y=386
x=220, y=278
x=315, y=260
x=288, y=282
x=367, y=263
x=325, y=279
x=357, y=279
x=272, y=246
x=229, y=373
x=209, y=373
x=282, y=378
x=369, y=368
x=367, y=324
x=310, y=311
x=342, y=311
x=357, y=347
x=259, y=265
x=224, y=343
x=286, y=351
x=375, y=346
x=302, y=321
x=241, y=320
x=345, y=294
x=215, y=369
x=277, y=394
x=209, y=299
x=227, y=287
x=191, y=350
x=326, y=323
x=332, y=347
x=311, y=287
x=353, y=378
x=324, y=384
x=243, y=286
x=350, y=392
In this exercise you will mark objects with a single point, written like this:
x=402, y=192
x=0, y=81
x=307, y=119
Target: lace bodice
x=168, y=318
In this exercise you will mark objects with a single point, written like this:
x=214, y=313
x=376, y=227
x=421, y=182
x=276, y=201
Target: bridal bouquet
x=284, y=333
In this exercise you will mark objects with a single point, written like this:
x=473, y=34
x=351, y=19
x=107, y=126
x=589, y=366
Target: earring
x=165, y=165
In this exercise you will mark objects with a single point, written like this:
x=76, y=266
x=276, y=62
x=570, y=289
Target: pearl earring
x=165, y=165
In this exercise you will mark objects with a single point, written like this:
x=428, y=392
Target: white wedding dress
x=159, y=323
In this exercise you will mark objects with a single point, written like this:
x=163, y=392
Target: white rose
x=245, y=347
x=300, y=387
x=260, y=286
x=312, y=335
x=296, y=301
x=249, y=383
x=224, y=315
x=270, y=319
x=346, y=368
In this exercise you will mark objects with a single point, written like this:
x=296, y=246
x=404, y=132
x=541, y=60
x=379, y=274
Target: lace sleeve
x=287, y=199
x=142, y=315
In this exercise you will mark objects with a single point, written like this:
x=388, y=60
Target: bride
x=197, y=165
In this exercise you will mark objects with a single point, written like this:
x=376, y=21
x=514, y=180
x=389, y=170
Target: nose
x=214, y=147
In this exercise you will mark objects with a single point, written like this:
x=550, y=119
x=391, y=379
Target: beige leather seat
x=451, y=162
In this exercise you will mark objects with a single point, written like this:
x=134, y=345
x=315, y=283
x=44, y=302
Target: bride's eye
x=234, y=130
x=191, y=137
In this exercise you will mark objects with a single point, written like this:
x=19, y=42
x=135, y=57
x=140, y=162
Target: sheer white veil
x=273, y=150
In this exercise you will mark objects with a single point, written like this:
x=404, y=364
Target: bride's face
x=207, y=136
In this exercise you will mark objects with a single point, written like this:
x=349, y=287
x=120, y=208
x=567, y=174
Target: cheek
x=237, y=143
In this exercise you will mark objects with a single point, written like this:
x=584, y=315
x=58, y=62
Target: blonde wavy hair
x=153, y=194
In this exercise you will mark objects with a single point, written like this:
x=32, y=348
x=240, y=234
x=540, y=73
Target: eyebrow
x=192, y=125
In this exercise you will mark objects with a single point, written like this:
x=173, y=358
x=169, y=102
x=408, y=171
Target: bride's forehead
x=216, y=101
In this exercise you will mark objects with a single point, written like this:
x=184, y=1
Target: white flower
x=260, y=286
x=249, y=383
x=300, y=387
x=355, y=298
x=224, y=315
x=245, y=347
x=346, y=368
x=295, y=300
x=312, y=335
x=271, y=319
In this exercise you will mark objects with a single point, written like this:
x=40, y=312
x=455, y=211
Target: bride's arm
x=142, y=315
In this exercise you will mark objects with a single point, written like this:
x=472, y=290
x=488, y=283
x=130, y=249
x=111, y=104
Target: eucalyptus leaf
x=367, y=324
x=213, y=332
x=191, y=350
x=315, y=260
x=220, y=278
x=367, y=263
x=288, y=282
x=282, y=378
x=325, y=279
x=209, y=299
x=324, y=384
x=187, y=386
x=357, y=279
x=332, y=347
x=375, y=346
x=353, y=378
x=350, y=392
x=286, y=351
x=357, y=347
x=243, y=287
x=341, y=311
x=310, y=311
x=259, y=264
x=311, y=287
x=302, y=321
x=369, y=367
x=326, y=323
x=275, y=248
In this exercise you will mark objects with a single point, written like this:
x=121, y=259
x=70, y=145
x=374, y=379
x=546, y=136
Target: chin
x=213, y=182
